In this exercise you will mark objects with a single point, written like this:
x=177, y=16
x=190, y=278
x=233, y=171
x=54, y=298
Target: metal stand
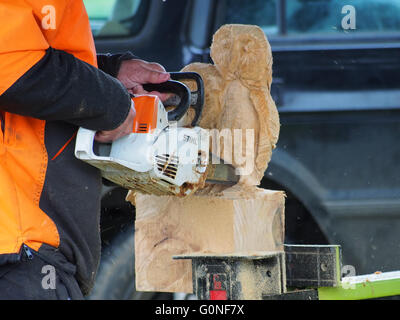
x=301, y=272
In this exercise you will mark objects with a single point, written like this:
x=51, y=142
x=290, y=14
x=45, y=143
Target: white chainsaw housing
x=168, y=161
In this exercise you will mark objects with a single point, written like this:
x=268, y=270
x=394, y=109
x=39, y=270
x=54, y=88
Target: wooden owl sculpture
x=238, y=100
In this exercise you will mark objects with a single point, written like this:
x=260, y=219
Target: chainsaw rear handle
x=84, y=149
x=185, y=99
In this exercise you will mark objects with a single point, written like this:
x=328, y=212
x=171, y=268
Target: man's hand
x=124, y=129
x=133, y=74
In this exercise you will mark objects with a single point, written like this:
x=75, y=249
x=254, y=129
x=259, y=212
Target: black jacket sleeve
x=110, y=63
x=62, y=87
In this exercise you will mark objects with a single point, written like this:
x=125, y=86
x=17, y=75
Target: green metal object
x=376, y=285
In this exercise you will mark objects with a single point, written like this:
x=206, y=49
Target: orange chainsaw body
x=146, y=113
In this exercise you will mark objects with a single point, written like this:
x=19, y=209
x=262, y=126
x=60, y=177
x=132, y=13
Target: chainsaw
x=159, y=157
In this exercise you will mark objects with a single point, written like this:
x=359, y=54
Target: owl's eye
x=225, y=43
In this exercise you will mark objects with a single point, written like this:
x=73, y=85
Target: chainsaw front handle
x=178, y=88
x=184, y=98
x=197, y=97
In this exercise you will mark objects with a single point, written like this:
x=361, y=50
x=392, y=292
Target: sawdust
x=131, y=197
x=255, y=282
x=238, y=191
x=252, y=283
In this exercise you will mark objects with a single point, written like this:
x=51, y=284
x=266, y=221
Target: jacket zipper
x=28, y=252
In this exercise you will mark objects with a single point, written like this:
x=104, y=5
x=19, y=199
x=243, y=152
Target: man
x=49, y=200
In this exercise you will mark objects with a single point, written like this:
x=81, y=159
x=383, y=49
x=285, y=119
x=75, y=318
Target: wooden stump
x=233, y=221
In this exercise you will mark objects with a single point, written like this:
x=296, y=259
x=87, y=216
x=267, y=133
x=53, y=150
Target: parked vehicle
x=337, y=88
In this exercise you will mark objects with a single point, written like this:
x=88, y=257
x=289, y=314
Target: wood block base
x=232, y=221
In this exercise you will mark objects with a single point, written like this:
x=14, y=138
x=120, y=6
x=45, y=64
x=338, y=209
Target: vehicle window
x=110, y=18
x=257, y=12
x=316, y=16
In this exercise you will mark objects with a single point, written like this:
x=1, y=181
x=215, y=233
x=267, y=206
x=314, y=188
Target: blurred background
x=337, y=88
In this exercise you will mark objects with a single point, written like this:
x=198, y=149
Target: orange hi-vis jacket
x=49, y=86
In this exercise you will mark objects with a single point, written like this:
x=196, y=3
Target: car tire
x=115, y=279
